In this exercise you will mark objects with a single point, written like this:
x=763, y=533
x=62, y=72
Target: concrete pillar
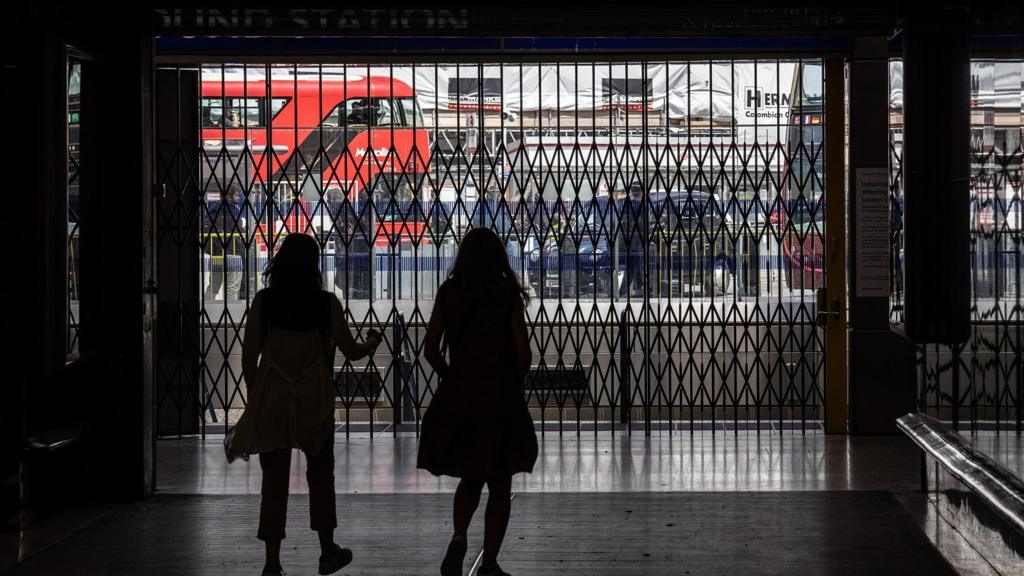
x=881, y=362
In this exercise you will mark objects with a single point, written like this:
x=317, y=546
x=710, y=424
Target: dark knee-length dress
x=478, y=426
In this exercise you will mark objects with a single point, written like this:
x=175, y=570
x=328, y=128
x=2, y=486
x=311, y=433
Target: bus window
x=357, y=111
x=247, y=111
x=396, y=112
x=813, y=134
x=383, y=114
x=812, y=84
x=276, y=105
x=212, y=110
x=412, y=115
x=333, y=118
x=238, y=112
x=404, y=112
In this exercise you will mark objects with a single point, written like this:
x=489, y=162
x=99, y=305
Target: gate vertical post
x=177, y=340
x=835, y=248
x=625, y=405
x=396, y=372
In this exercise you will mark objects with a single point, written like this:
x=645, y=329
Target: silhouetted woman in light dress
x=287, y=361
x=478, y=427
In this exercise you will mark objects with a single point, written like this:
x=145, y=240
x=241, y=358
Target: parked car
x=667, y=244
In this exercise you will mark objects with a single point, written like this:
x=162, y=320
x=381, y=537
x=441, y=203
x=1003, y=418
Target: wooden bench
x=358, y=391
x=368, y=384
x=351, y=386
x=557, y=379
x=999, y=488
x=357, y=383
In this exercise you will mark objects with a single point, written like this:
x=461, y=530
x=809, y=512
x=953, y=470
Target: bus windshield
x=384, y=112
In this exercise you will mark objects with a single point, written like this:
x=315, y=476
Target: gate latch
x=824, y=311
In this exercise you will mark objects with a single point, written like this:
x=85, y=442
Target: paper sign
x=872, y=232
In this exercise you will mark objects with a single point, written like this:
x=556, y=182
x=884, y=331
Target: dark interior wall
x=11, y=76
x=118, y=313
x=32, y=291
x=98, y=402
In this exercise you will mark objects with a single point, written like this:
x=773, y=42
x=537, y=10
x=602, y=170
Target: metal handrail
x=999, y=487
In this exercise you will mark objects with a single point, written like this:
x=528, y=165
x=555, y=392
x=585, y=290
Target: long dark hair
x=296, y=266
x=295, y=299
x=482, y=270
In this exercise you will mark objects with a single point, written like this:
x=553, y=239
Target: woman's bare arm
x=521, y=339
x=343, y=336
x=252, y=343
x=432, y=341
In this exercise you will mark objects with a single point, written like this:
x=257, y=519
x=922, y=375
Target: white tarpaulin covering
x=995, y=84
x=895, y=84
x=998, y=84
x=723, y=92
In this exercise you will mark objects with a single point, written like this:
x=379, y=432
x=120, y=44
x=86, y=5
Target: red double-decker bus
x=800, y=215
x=303, y=135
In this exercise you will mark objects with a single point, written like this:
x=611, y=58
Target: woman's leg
x=274, y=503
x=499, y=507
x=467, y=498
x=323, y=515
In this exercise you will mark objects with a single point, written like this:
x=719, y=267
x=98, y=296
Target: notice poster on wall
x=872, y=232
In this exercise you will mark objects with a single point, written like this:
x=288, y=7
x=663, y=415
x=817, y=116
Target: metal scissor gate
x=979, y=383
x=667, y=218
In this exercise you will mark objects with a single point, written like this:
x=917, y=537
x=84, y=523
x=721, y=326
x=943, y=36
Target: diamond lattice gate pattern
x=977, y=384
x=667, y=218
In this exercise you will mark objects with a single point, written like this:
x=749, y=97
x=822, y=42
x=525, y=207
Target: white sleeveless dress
x=291, y=400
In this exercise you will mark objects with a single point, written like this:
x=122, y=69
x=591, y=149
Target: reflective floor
x=1005, y=447
x=850, y=533
x=723, y=461
x=622, y=463
x=741, y=502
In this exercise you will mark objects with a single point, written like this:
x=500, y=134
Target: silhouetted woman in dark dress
x=479, y=428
